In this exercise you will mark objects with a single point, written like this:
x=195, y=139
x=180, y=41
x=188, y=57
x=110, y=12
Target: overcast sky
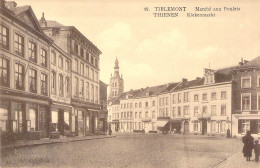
x=153, y=51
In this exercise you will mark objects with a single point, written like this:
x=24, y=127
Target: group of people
x=249, y=146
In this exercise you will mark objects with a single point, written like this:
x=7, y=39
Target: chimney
x=184, y=80
x=10, y=5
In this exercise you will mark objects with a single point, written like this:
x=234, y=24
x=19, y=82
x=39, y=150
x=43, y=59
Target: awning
x=161, y=123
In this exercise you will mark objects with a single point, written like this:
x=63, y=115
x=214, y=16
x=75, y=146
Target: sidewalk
x=44, y=141
x=238, y=161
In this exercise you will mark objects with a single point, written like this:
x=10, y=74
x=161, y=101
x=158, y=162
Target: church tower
x=116, y=85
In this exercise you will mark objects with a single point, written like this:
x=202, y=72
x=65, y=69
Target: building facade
x=246, y=114
x=49, y=81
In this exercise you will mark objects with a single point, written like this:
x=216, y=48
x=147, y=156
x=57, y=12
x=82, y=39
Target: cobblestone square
x=128, y=150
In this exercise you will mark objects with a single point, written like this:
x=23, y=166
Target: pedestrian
x=248, y=141
x=110, y=132
x=257, y=150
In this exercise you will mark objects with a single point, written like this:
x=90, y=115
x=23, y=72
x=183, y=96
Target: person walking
x=110, y=132
x=257, y=150
x=248, y=141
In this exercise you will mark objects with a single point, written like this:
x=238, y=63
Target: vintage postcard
x=130, y=83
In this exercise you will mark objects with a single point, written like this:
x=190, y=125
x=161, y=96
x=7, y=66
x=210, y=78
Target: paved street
x=128, y=150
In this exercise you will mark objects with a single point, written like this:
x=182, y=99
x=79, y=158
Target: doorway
x=186, y=127
x=204, y=127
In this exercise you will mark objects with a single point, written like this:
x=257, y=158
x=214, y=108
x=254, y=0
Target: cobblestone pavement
x=238, y=161
x=128, y=150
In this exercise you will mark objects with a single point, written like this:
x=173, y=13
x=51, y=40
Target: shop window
x=4, y=72
x=32, y=80
x=4, y=37
x=43, y=57
x=246, y=101
x=196, y=126
x=32, y=52
x=19, y=44
x=3, y=116
x=246, y=82
x=18, y=123
x=19, y=76
x=54, y=121
x=32, y=116
x=245, y=126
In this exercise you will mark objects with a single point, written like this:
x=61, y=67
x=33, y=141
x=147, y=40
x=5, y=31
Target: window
x=196, y=110
x=96, y=94
x=179, y=98
x=43, y=84
x=140, y=125
x=258, y=81
x=82, y=52
x=92, y=60
x=32, y=80
x=204, y=97
x=4, y=106
x=258, y=100
x=135, y=105
x=246, y=102
x=153, y=114
x=67, y=86
x=19, y=76
x=146, y=104
x=153, y=103
x=213, y=96
x=60, y=62
x=76, y=66
x=87, y=71
x=81, y=69
x=91, y=74
x=32, y=52
x=213, y=109
x=140, y=114
x=4, y=72
x=185, y=96
x=43, y=57
x=87, y=91
x=196, y=97
x=127, y=114
x=173, y=99
x=223, y=109
x=131, y=114
x=76, y=48
x=54, y=120
x=166, y=101
x=96, y=76
x=81, y=87
x=4, y=37
x=19, y=44
x=146, y=114
x=245, y=126
x=53, y=82
x=153, y=126
x=61, y=85
x=18, y=114
x=32, y=117
x=174, y=112
x=92, y=93
x=186, y=110
x=53, y=57
x=67, y=65
x=246, y=82
x=204, y=109
x=140, y=105
x=223, y=95
x=77, y=86
x=213, y=126
x=87, y=56
x=179, y=111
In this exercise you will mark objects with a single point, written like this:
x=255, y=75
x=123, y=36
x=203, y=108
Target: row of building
x=222, y=100
x=49, y=77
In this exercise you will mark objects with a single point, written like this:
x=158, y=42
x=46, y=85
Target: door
x=146, y=127
x=186, y=127
x=204, y=127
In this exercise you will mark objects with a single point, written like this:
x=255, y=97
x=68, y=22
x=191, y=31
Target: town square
x=109, y=84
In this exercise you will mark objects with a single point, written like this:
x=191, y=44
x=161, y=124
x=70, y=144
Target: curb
x=47, y=143
x=224, y=161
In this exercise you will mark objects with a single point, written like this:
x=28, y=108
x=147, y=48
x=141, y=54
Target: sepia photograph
x=130, y=83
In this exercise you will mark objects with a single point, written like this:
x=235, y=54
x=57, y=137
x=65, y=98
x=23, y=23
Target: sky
x=153, y=51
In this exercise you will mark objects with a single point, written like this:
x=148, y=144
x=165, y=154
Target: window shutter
x=239, y=126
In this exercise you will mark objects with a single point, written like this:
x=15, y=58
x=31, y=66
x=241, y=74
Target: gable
x=27, y=19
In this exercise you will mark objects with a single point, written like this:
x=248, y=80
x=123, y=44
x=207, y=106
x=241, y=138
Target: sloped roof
x=170, y=87
x=123, y=95
x=53, y=23
x=253, y=63
x=154, y=90
x=20, y=9
x=186, y=85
